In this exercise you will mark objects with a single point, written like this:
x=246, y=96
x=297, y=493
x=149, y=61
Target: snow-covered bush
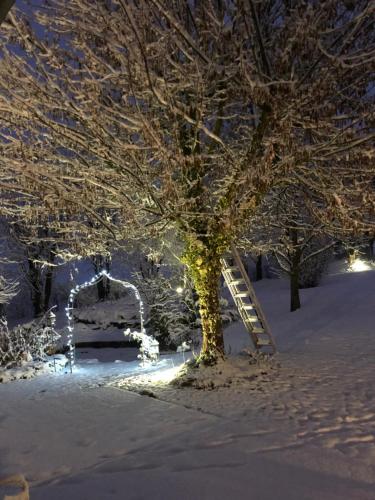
x=149, y=346
x=30, y=342
x=166, y=317
x=189, y=305
x=173, y=316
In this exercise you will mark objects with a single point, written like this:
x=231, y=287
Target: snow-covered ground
x=301, y=428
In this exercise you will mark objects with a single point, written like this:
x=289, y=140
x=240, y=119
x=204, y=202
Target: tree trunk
x=34, y=277
x=101, y=289
x=209, y=309
x=47, y=288
x=103, y=286
x=97, y=261
x=295, y=258
x=371, y=248
x=204, y=265
x=48, y=281
x=259, y=268
x=295, y=302
x=107, y=290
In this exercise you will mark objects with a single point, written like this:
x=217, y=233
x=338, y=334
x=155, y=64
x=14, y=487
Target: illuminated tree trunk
x=203, y=261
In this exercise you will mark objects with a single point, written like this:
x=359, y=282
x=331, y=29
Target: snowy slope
x=305, y=430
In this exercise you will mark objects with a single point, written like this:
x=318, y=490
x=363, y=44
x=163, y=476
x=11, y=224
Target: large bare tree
x=138, y=116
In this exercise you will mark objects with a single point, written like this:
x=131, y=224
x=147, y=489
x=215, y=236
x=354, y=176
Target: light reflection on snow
x=359, y=265
x=164, y=376
x=93, y=370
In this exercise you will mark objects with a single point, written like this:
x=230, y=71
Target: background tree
x=102, y=263
x=36, y=255
x=4, y=9
x=186, y=114
x=303, y=246
x=8, y=289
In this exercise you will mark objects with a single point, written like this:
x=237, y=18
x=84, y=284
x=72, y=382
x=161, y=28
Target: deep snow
x=303, y=430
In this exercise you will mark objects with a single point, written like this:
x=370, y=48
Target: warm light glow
x=163, y=376
x=359, y=265
x=179, y=289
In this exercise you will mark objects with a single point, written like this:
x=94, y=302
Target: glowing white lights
x=70, y=307
x=359, y=265
x=179, y=290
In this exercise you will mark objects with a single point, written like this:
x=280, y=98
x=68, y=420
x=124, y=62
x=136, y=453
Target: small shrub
x=30, y=342
x=166, y=319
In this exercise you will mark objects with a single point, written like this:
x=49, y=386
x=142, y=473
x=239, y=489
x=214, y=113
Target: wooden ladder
x=244, y=297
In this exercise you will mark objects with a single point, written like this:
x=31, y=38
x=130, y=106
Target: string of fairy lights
x=69, y=309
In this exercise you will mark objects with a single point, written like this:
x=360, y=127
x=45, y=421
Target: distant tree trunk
x=47, y=288
x=295, y=302
x=101, y=290
x=371, y=247
x=5, y=5
x=48, y=282
x=103, y=286
x=295, y=259
x=35, y=279
x=107, y=283
x=259, y=268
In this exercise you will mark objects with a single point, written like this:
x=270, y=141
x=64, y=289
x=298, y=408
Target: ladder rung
x=240, y=281
x=238, y=295
x=231, y=269
x=244, y=297
x=247, y=307
x=263, y=342
x=252, y=319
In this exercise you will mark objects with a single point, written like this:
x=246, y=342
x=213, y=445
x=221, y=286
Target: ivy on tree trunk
x=202, y=256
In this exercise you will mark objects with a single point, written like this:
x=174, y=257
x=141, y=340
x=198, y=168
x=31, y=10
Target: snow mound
x=119, y=313
x=233, y=371
x=31, y=369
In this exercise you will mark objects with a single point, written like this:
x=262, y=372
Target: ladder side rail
x=233, y=291
x=244, y=274
x=238, y=303
x=246, y=317
x=254, y=299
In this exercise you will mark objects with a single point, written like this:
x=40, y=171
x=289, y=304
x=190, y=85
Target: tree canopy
x=140, y=116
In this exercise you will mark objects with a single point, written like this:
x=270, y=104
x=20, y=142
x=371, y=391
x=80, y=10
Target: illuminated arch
x=74, y=292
